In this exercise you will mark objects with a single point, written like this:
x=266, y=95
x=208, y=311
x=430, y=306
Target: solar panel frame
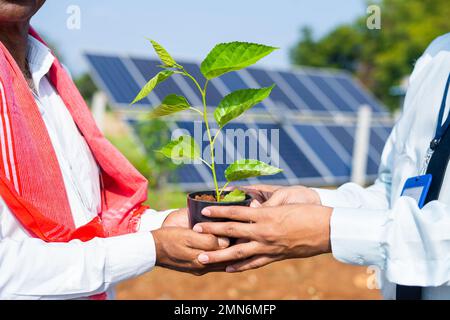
x=291, y=108
x=325, y=151
x=103, y=78
x=278, y=101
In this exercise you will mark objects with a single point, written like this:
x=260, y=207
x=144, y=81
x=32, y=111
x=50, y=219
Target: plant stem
x=216, y=135
x=196, y=110
x=205, y=162
x=223, y=188
x=195, y=81
x=205, y=119
x=211, y=142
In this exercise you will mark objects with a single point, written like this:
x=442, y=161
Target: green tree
x=379, y=58
x=154, y=134
x=86, y=87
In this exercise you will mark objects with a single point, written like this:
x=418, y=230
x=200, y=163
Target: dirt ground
x=317, y=278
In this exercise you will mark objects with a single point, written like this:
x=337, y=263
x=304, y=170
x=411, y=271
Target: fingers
x=251, y=263
x=226, y=229
x=277, y=199
x=231, y=212
x=260, y=192
x=207, y=242
x=261, y=188
x=236, y=252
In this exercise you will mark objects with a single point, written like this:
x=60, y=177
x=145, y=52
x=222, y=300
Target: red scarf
x=31, y=182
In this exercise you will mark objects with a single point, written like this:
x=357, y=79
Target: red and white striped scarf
x=31, y=182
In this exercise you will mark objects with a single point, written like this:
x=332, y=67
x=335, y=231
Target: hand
x=271, y=196
x=178, y=249
x=177, y=218
x=275, y=233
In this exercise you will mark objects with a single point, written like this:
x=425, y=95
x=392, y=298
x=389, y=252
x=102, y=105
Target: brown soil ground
x=317, y=278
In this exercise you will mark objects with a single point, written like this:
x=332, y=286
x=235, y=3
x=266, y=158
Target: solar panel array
x=311, y=146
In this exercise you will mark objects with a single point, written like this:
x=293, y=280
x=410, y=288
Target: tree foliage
x=154, y=134
x=86, y=87
x=379, y=58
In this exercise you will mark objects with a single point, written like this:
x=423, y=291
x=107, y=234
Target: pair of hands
x=285, y=223
x=178, y=247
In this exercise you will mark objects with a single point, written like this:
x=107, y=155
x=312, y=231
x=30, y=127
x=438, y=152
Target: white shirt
x=374, y=225
x=33, y=269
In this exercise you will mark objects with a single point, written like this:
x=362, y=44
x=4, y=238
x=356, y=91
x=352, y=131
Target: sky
x=188, y=29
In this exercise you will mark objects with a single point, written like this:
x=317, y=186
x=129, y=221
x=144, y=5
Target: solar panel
x=297, y=128
x=317, y=154
x=361, y=96
x=299, y=89
x=149, y=70
x=233, y=81
x=279, y=96
x=323, y=84
x=115, y=79
x=325, y=151
x=230, y=147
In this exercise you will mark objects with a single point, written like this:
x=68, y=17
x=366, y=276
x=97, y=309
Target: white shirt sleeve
x=412, y=245
x=34, y=269
x=152, y=219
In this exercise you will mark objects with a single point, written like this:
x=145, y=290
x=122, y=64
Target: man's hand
x=178, y=218
x=272, y=196
x=274, y=233
x=178, y=249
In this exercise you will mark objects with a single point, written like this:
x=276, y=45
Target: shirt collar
x=40, y=60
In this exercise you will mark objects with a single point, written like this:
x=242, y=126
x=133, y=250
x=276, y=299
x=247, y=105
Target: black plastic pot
x=196, y=206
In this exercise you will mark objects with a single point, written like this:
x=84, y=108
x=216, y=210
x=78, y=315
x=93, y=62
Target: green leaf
x=184, y=148
x=236, y=103
x=244, y=169
x=165, y=57
x=232, y=56
x=160, y=77
x=171, y=104
x=234, y=196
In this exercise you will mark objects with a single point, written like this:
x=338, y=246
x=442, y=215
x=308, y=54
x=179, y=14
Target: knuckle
x=270, y=236
x=240, y=253
x=212, y=242
x=230, y=230
x=187, y=242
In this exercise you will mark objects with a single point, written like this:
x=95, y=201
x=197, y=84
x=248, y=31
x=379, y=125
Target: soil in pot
x=208, y=197
x=197, y=201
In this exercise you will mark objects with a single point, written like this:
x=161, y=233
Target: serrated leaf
x=165, y=57
x=153, y=82
x=234, y=196
x=249, y=168
x=232, y=56
x=236, y=103
x=183, y=148
x=170, y=105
